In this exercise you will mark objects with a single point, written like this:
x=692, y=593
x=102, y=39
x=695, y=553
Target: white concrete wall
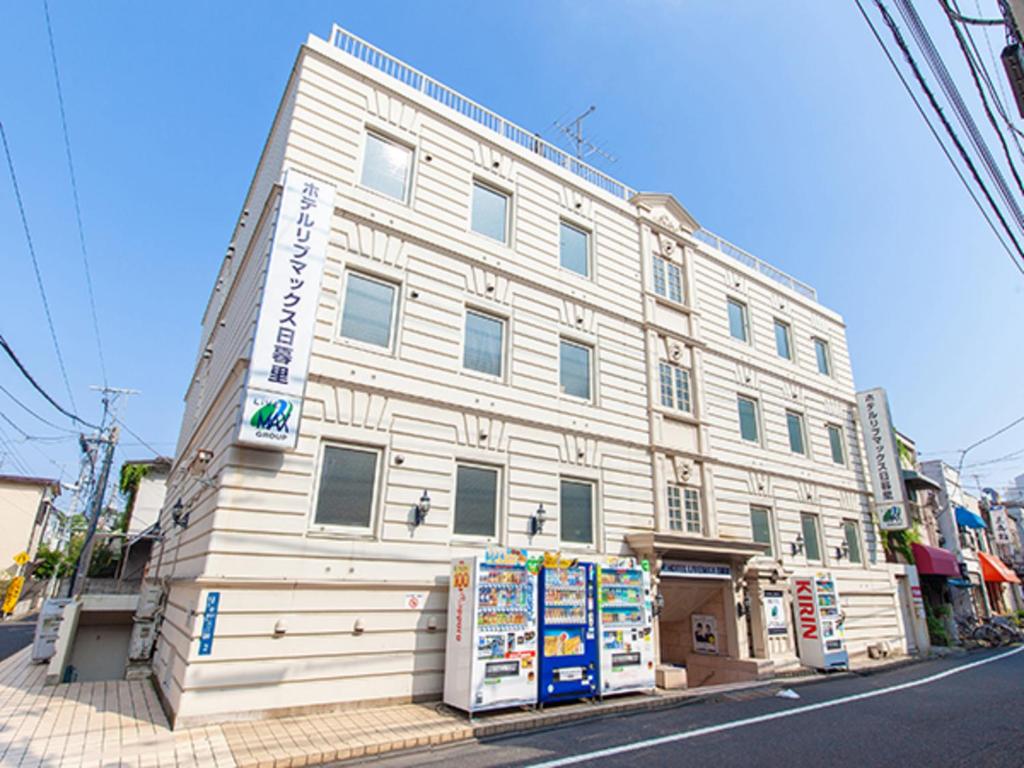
x=19, y=505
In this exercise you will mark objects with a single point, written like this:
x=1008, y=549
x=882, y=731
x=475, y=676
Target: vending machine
x=625, y=616
x=819, y=622
x=491, y=655
x=569, y=665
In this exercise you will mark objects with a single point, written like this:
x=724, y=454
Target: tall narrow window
x=674, y=383
x=668, y=278
x=675, y=508
x=812, y=542
x=574, y=249
x=761, y=527
x=485, y=343
x=386, y=167
x=851, y=534
x=748, y=419
x=490, y=212
x=574, y=369
x=739, y=325
x=476, y=501
x=691, y=511
x=821, y=352
x=835, y=441
x=782, y=340
x=795, y=425
x=346, y=492
x=369, y=310
x=576, y=513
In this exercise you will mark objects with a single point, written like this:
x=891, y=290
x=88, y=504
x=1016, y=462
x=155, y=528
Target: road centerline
x=743, y=722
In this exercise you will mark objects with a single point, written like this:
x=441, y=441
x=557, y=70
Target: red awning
x=994, y=569
x=933, y=561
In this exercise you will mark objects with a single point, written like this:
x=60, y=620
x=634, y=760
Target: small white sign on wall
x=705, y=632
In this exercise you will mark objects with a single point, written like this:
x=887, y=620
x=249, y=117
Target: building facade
x=509, y=349
x=24, y=510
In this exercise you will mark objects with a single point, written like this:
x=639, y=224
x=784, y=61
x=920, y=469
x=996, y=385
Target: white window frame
x=472, y=309
x=789, y=338
x=674, y=374
x=393, y=328
x=592, y=378
x=499, y=494
x=815, y=340
x=842, y=443
x=666, y=267
x=820, y=537
x=594, y=517
x=589, y=235
x=803, y=433
x=745, y=314
x=757, y=419
x=772, y=539
x=358, y=531
x=409, y=174
x=857, y=535
x=478, y=182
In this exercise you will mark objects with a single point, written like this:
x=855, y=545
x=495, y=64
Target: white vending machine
x=626, y=627
x=491, y=655
x=819, y=622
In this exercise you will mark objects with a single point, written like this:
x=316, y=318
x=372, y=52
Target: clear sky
x=779, y=125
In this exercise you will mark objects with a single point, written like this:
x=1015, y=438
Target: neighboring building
x=142, y=512
x=505, y=340
x=24, y=513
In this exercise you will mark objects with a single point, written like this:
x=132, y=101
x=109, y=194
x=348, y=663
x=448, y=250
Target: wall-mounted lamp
x=538, y=520
x=419, y=512
x=179, y=515
x=798, y=544
x=843, y=551
x=659, y=604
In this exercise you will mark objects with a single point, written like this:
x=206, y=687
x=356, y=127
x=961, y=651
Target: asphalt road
x=971, y=715
x=15, y=635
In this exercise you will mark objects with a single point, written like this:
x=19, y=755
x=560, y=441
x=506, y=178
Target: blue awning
x=968, y=519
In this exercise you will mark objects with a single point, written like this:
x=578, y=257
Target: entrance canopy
x=932, y=561
x=674, y=546
x=995, y=570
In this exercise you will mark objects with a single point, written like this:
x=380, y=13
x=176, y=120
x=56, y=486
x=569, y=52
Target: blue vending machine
x=569, y=666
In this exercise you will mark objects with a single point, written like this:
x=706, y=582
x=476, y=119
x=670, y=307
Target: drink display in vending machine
x=819, y=622
x=626, y=626
x=569, y=667
x=491, y=655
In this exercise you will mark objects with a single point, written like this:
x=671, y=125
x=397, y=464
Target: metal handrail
x=370, y=54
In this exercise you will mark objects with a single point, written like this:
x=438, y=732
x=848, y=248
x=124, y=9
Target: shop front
x=998, y=578
x=936, y=567
x=702, y=626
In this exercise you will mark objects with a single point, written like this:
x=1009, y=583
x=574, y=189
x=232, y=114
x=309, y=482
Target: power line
x=28, y=410
x=74, y=192
x=35, y=265
x=135, y=435
x=26, y=437
x=945, y=150
x=10, y=353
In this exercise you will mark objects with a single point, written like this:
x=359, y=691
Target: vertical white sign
x=1001, y=525
x=284, y=331
x=883, y=459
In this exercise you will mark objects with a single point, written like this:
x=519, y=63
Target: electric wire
x=949, y=130
x=35, y=265
x=24, y=371
x=28, y=410
x=131, y=432
x=26, y=437
x=74, y=193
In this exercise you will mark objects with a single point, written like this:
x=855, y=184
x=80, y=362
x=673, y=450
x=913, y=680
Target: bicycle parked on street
x=993, y=632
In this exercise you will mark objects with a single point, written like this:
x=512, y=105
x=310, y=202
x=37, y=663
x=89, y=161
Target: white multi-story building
x=503, y=337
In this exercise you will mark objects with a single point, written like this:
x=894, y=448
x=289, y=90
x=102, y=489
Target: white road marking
x=646, y=743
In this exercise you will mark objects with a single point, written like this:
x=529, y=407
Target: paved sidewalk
x=120, y=723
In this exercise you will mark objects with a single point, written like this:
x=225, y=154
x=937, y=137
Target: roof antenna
x=584, y=148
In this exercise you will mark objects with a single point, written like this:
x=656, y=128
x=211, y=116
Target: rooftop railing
x=373, y=56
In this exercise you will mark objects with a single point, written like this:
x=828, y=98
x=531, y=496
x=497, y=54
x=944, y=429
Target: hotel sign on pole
x=279, y=363
x=883, y=459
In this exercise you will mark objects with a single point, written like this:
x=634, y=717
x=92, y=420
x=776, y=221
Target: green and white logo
x=272, y=415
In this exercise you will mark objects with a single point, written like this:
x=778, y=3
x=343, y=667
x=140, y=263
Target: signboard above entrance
x=694, y=569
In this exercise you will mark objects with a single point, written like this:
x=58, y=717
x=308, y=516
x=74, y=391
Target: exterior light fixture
x=179, y=515
x=798, y=544
x=843, y=551
x=538, y=520
x=419, y=512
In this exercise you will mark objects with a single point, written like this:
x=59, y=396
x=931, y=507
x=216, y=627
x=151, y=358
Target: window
x=490, y=212
x=576, y=513
x=675, y=386
x=851, y=532
x=835, y=441
x=347, y=480
x=369, y=310
x=821, y=353
x=684, y=510
x=795, y=425
x=748, y=419
x=574, y=249
x=761, y=527
x=574, y=369
x=668, y=279
x=386, y=167
x=809, y=529
x=485, y=343
x=782, y=340
x=738, y=324
x=476, y=501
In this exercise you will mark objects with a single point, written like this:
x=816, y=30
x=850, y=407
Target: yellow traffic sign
x=13, y=593
x=21, y=558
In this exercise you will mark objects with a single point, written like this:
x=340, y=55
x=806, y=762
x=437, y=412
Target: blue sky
x=779, y=125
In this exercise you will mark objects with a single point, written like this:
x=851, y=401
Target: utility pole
x=108, y=444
